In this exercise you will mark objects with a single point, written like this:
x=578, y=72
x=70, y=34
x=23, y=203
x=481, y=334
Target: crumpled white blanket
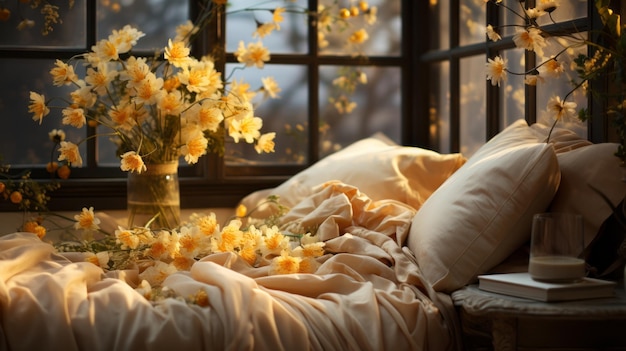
x=368, y=294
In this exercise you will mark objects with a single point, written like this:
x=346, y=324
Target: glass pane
x=287, y=115
x=440, y=15
x=36, y=149
x=512, y=94
x=472, y=19
x=380, y=19
x=439, y=109
x=68, y=34
x=552, y=87
x=241, y=25
x=472, y=109
x=376, y=107
x=158, y=19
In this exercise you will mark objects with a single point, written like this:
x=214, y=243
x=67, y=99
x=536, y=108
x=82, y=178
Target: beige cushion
x=483, y=212
x=379, y=168
x=584, y=165
x=593, y=165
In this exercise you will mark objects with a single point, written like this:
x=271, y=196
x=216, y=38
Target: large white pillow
x=378, y=167
x=483, y=212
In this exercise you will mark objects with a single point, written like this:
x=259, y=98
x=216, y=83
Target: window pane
x=158, y=19
x=472, y=19
x=439, y=109
x=287, y=115
x=35, y=149
x=472, y=109
x=440, y=17
x=69, y=34
x=512, y=94
x=381, y=20
x=241, y=26
x=377, y=109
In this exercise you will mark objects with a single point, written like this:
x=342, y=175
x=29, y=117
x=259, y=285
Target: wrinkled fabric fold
x=367, y=294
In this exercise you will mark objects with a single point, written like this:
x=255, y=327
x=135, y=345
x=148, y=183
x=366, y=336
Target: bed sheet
x=367, y=294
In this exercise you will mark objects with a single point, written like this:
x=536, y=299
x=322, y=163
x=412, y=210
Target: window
x=308, y=125
x=463, y=109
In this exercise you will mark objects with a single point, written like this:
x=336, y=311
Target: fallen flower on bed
x=157, y=254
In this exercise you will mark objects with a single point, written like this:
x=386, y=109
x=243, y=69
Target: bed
x=402, y=228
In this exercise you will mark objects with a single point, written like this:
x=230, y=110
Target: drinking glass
x=556, y=248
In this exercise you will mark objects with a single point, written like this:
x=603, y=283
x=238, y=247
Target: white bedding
x=368, y=293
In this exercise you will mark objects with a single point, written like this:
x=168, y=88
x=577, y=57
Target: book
x=522, y=285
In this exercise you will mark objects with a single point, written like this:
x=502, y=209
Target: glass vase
x=153, y=197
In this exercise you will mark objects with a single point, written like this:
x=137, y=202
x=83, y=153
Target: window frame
x=598, y=127
x=211, y=183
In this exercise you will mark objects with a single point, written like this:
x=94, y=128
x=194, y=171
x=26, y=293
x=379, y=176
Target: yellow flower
x=69, y=151
x=171, y=103
x=132, y=162
x=230, y=237
x=185, y=31
x=104, y=51
x=100, y=78
x=496, y=70
x=177, y=53
x=136, y=71
x=206, y=115
x=125, y=38
x=87, y=220
x=553, y=68
x=265, y=143
x=255, y=54
x=247, y=128
x=492, y=34
x=561, y=110
x=274, y=242
x=270, y=87
x=207, y=224
x=277, y=16
x=264, y=29
x=126, y=238
x=285, y=264
x=74, y=117
x=38, y=106
x=148, y=91
x=194, y=143
x=83, y=96
x=62, y=74
x=530, y=40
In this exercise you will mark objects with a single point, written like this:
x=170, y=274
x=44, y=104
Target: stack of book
x=522, y=285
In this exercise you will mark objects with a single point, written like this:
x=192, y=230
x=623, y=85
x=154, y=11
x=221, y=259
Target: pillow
x=561, y=139
x=483, y=212
x=593, y=165
x=378, y=167
x=583, y=165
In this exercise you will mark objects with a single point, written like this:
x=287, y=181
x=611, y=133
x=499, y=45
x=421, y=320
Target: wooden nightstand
x=498, y=322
